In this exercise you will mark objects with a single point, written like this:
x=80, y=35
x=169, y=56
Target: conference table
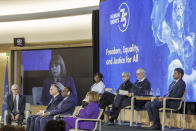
x=142, y=98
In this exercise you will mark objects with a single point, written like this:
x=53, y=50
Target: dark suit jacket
x=123, y=100
x=139, y=88
x=176, y=91
x=10, y=104
x=127, y=86
x=67, y=81
x=54, y=103
x=65, y=107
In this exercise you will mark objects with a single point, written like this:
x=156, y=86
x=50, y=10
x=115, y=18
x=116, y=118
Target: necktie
x=171, y=88
x=51, y=101
x=59, y=105
x=15, y=105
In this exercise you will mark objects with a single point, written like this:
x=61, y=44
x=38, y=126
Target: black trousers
x=31, y=122
x=9, y=118
x=107, y=99
x=119, y=103
x=153, y=110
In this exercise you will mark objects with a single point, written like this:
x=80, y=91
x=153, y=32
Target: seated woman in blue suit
x=91, y=111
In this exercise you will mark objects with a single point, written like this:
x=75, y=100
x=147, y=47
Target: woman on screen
x=58, y=75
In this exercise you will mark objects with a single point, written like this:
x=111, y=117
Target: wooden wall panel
x=3, y=62
x=5, y=47
x=36, y=109
x=19, y=70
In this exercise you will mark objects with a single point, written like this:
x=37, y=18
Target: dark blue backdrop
x=152, y=27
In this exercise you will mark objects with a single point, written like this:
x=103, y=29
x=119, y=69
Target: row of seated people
x=65, y=102
x=66, y=107
x=141, y=88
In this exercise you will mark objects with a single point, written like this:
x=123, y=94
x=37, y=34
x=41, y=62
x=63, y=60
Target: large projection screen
x=36, y=70
x=157, y=35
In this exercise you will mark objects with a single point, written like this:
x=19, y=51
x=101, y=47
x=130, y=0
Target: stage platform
x=128, y=128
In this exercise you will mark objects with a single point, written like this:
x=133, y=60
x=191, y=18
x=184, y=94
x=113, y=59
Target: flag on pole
x=6, y=91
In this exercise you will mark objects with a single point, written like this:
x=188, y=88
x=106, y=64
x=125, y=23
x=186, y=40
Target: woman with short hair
x=57, y=75
x=91, y=111
x=98, y=86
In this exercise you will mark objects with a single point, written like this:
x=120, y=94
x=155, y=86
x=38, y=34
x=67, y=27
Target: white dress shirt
x=142, y=79
x=98, y=87
x=17, y=101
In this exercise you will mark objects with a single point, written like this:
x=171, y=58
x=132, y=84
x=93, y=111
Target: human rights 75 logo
x=121, y=18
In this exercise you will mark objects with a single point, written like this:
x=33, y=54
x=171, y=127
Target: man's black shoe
x=156, y=127
x=111, y=120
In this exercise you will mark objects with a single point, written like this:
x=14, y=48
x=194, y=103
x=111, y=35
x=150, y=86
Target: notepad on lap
x=123, y=92
x=110, y=90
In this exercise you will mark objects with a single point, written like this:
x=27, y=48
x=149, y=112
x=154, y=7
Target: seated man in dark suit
x=55, y=92
x=15, y=106
x=65, y=107
x=176, y=90
x=121, y=101
x=140, y=88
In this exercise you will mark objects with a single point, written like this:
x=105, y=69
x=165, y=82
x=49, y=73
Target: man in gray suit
x=15, y=106
x=56, y=99
x=65, y=107
x=176, y=90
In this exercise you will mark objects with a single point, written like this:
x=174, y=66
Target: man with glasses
x=56, y=99
x=15, y=106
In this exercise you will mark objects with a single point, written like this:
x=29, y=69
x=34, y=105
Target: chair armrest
x=62, y=116
x=82, y=119
x=4, y=120
x=27, y=114
x=170, y=98
x=153, y=98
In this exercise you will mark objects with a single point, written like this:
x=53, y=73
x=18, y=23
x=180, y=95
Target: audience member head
x=66, y=92
x=140, y=73
x=57, y=67
x=12, y=128
x=54, y=90
x=92, y=96
x=20, y=128
x=98, y=77
x=54, y=125
x=14, y=89
x=8, y=128
x=125, y=76
x=178, y=73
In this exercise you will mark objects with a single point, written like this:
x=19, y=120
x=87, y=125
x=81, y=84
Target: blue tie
x=171, y=87
x=51, y=101
x=59, y=105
